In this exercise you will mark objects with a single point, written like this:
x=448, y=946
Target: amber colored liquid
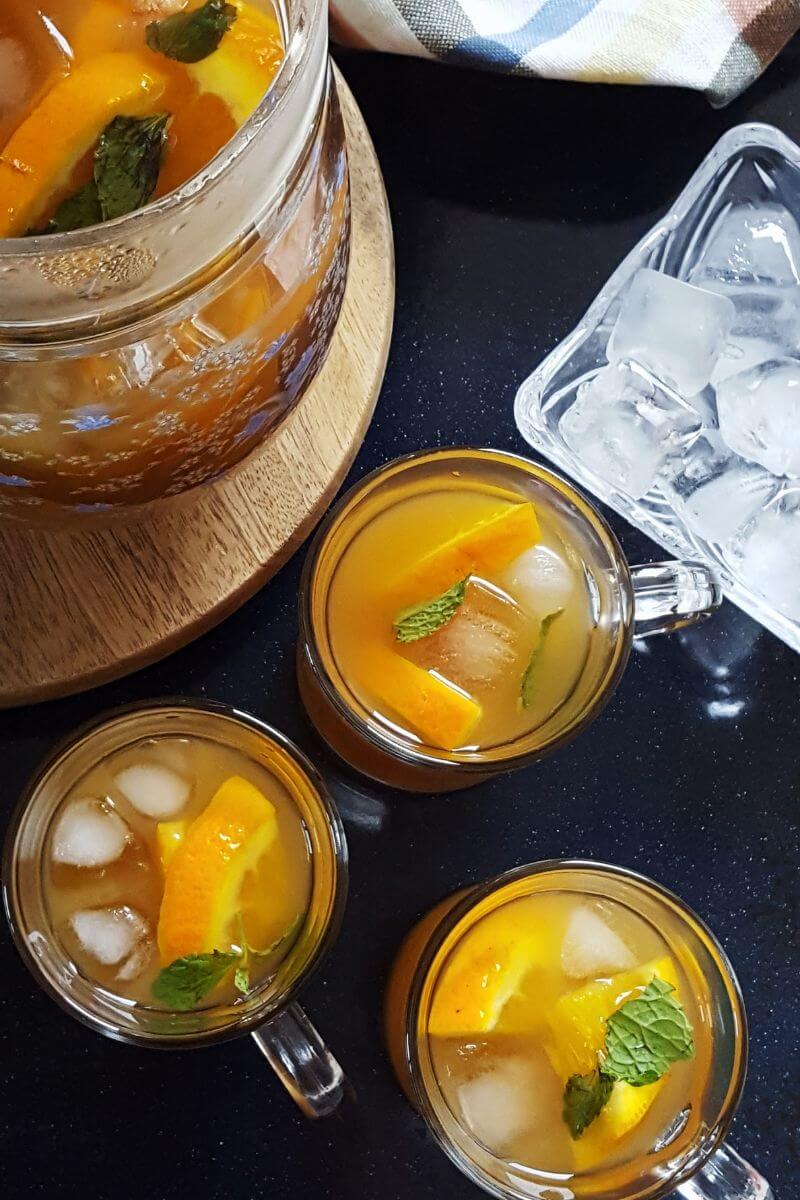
x=486, y=648
x=535, y=1136
x=276, y=893
x=104, y=431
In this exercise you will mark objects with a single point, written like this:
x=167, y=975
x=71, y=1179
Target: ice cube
x=154, y=790
x=89, y=834
x=768, y=555
x=742, y=353
x=540, y=580
x=624, y=427
x=112, y=935
x=502, y=1103
x=716, y=491
x=751, y=245
x=488, y=638
x=592, y=948
x=675, y=330
x=759, y=415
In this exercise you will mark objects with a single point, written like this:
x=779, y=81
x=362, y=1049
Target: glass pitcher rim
x=428, y=757
x=242, y=1022
x=474, y=895
x=303, y=16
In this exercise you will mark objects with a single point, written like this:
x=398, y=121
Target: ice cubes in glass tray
x=673, y=399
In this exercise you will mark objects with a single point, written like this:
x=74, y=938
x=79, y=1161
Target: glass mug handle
x=726, y=1176
x=302, y=1061
x=670, y=595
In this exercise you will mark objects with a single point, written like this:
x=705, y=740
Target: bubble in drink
x=625, y=428
x=769, y=558
x=539, y=580
x=154, y=790
x=750, y=245
x=112, y=935
x=592, y=947
x=673, y=329
x=759, y=415
x=502, y=1102
x=488, y=638
x=89, y=834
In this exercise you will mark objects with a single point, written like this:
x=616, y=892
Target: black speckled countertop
x=512, y=201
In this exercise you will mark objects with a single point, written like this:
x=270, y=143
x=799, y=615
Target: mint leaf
x=646, y=1035
x=585, y=1097
x=528, y=687
x=127, y=162
x=421, y=620
x=78, y=211
x=186, y=981
x=241, y=980
x=191, y=36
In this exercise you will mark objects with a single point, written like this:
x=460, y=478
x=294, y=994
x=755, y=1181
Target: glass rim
x=304, y=14
x=461, y=909
x=261, y=1008
x=428, y=756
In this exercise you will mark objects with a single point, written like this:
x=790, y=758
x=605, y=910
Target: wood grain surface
x=79, y=608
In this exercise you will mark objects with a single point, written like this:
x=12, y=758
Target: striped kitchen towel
x=716, y=46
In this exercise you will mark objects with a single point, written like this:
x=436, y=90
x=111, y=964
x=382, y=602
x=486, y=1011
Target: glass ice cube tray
x=751, y=164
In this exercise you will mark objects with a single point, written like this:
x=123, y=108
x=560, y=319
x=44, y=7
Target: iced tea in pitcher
x=175, y=281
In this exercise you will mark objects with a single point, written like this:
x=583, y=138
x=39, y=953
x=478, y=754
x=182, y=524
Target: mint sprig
x=188, y=980
x=644, y=1037
x=127, y=162
x=421, y=620
x=528, y=685
x=189, y=37
x=585, y=1097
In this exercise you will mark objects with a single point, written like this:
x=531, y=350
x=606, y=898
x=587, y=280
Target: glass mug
x=270, y=1013
x=151, y=354
x=624, y=602
x=690, y=1158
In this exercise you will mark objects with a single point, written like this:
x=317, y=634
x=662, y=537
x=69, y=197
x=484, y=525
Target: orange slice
x=483, y=987
x=439, y=713
x=244, y=64
x=169, y=835
x=482, y=549
x=41, y=155
x=207, y=872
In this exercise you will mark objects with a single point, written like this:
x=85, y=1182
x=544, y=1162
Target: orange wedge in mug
x=206, y=873
x=41, y=155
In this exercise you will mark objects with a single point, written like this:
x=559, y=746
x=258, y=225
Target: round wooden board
x=80, y=608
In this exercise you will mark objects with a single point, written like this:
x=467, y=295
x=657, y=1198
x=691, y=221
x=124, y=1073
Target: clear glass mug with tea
x=571, y=1030
x=148, y=347
x=465, y=612
x=173, y=875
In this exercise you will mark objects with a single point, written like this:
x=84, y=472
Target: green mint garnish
x=192, y=36
x=643, y=1038
x=585, y=1096
x=421, y=620
x=127, y=162
x=186, y=981
x=528, y=686
x=78, y=211
x=646, y=1035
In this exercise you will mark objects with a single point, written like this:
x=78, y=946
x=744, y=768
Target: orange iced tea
x=460, y=608
x=178, y=873
x=557, y=1034
x=107, y=107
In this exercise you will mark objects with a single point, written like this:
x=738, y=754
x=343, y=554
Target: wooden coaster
x=80, y=608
